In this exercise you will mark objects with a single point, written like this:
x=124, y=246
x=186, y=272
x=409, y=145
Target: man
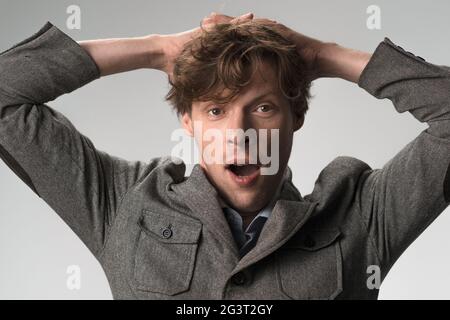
x=228, y=231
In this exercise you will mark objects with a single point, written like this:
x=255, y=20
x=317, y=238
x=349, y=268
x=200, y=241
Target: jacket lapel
x=203, y=200
x=290, y=213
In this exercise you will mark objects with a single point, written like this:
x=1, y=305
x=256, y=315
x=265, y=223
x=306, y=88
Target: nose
x=237, y=125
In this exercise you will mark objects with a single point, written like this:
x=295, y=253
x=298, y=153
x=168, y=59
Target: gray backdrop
x=36, y=247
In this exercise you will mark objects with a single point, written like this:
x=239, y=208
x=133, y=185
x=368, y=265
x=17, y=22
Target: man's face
x=258, y=108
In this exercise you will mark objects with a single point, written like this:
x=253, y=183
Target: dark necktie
x=252, y=235
x=245, y=240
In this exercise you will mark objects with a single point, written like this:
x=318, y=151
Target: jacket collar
x=203, y=200
x=289, y=214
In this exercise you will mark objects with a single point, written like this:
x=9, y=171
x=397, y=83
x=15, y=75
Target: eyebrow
x=251, y=102
x=260, y=97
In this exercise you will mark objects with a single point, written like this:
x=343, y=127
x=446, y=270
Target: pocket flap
x=313, y=239
x=170, y=227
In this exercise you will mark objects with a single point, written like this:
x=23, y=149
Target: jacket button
x=166, y=233
x=309, y=242
x=239, y=278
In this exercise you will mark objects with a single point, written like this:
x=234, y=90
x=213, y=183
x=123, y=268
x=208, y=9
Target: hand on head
x=174, y=43
x=308, y=48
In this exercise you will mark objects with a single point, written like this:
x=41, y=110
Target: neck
x=247, y=219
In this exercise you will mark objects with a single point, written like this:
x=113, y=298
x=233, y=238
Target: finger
x=242, y=18
x=217, y=17
x=223, y=18
x=267, y=20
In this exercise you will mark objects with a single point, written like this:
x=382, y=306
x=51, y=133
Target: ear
x=298, y=122
x=186, y=122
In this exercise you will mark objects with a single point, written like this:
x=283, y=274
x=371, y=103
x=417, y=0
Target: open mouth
x=243, y=170
x=243, y=175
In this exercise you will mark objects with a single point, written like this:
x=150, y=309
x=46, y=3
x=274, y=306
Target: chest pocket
x=309, y=266
x=165, y=252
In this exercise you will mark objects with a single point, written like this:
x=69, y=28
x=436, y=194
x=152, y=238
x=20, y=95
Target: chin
x=246, y=201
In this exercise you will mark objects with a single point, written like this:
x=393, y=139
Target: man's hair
x=226, y=56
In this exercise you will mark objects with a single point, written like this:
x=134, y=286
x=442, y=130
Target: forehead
x=264, y=76
x=264, y=82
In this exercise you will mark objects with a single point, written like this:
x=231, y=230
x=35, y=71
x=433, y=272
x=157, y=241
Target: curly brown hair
x=226, y=56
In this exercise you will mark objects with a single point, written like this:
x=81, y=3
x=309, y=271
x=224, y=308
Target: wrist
x=336, y=61
x=324, y=59
x=155, y=57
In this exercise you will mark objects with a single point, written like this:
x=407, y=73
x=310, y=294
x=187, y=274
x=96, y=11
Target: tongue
x=244, y=170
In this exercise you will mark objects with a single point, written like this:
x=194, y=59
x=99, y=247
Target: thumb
x=242, y=18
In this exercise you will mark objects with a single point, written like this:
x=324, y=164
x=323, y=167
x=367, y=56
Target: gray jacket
x=161, y=235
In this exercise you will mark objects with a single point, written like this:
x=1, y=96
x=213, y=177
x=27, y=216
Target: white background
x=119, y=114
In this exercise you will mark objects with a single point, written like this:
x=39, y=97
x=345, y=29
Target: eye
x=215, y=112
x=264, y=108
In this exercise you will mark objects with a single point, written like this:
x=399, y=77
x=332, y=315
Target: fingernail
x=247, y=14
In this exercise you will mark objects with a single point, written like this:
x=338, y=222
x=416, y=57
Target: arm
x=152, y=52
x=401, y=199
x=335, y=61
x=62, y=166
x=126, y=54
x=398, y=201
x=325, y=59
x=82, y=184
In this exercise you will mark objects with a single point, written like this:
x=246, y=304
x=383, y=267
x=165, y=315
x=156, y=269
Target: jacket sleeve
x=402, y=198
x=81, y=184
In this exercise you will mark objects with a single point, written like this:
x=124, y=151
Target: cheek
x=284, y=125
x=282, y=120
x=284, y=140
x=285, y=144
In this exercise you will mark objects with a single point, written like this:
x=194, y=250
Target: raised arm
x=402, y=198
x=398, y=201
x=62, y=166
x=126, y=54
x=152, y=52
x=82, y=184
x=325, y=59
